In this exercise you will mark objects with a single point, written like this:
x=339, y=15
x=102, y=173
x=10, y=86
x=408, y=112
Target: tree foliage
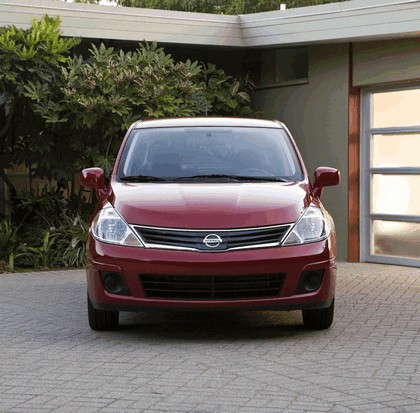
x=220, y=6
x=28, y=56
x=102, y=95
x=60, y=114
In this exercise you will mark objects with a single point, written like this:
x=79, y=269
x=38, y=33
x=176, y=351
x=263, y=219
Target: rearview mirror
x=93, y=178
x=324, y=176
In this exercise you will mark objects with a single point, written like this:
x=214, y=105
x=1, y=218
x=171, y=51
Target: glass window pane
x=398, y=239
x=200, y=150
x=393, y=109
x=396, y=150
x=396, y=194
x=291, y=64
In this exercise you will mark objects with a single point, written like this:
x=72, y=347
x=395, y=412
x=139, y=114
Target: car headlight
x=311, y=227
x=109, y=226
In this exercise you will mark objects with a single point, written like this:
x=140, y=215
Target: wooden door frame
x=353, y=166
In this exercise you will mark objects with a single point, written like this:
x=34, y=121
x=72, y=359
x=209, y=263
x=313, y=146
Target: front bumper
x=132, y=262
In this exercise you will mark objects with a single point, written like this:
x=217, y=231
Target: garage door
x=390, y=176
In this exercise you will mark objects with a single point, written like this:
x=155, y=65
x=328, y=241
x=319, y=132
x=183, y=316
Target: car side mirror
x=94, y=178
x=324, y=176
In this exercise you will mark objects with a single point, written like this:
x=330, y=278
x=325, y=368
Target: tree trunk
x=7, y=181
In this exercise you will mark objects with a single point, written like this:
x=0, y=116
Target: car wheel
x=319, y=318
x=102, y=320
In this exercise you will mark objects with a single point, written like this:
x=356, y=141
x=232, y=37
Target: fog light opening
x=114, y=282
x=310, y=281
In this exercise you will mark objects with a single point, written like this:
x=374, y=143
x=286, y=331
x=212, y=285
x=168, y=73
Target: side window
x=282, y=67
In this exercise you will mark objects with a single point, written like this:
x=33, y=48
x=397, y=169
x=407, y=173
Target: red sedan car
x=210, y=213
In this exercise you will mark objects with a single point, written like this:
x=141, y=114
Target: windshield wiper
x=143, y=178
x=150, y=178
x=233, y=177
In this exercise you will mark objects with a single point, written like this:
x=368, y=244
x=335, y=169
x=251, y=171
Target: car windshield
x=209, y=153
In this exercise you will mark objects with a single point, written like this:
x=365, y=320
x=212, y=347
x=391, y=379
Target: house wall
x=388, y=61
x=317, y=115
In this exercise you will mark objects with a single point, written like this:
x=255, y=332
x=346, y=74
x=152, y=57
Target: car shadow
x=211, y=325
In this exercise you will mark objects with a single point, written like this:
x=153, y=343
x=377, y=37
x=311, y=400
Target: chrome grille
x=221, y=287
x=173, y=238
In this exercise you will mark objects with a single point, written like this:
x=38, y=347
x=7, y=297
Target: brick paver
x=368, y=361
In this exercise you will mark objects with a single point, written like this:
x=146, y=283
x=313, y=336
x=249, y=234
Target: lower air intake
x=221, y=287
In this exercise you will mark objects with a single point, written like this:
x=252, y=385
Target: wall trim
x=353, y=166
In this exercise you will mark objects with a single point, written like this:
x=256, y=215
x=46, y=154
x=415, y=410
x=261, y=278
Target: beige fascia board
x=356, y=20
x=124, y=23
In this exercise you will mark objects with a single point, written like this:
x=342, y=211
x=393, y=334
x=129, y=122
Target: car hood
x=209, y=205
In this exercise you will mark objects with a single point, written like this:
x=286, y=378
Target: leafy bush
x=59, y=115
x=44, y=255
x=71, y=241
x=224, y=95
x=32, y=56
x=45, y=230
x=102, y=95
x=9, y=245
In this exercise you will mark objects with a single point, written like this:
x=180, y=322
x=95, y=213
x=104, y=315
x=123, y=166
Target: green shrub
x=47, y=230
x=45, y=255
x=10, y=247
x=71, y=241
x=60, y=114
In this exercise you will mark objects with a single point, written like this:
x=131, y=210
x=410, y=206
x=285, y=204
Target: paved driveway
x=368, y=361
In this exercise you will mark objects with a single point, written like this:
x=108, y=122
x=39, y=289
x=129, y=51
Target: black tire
x=102, y=320
x=319, y=318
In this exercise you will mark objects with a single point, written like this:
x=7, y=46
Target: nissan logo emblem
x=212, y=240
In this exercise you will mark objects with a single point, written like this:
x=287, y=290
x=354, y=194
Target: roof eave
x=356, y=20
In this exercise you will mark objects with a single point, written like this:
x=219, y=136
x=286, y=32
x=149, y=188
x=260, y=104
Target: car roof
x=207, y=121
